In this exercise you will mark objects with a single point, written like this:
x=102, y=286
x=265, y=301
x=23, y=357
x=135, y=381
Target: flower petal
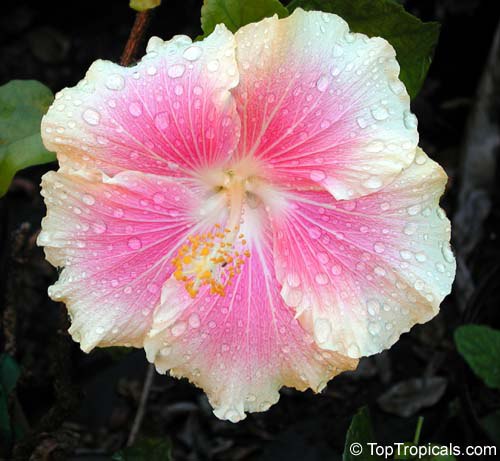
x=243, y=347
x=115, y=238
x=321, y=105
x=170, y=114
x=361, y=272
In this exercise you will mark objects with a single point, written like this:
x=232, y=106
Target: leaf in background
x=479, y=345
x=408, y=397
x=145, y=449
x=9, y=374
x=360, y=431
x=22, y=105
x=237, y=13
x=413, y=40
x=143, y=5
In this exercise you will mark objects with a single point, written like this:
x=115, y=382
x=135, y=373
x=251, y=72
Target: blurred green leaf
x=413, y=40
x=22, y=105
x=146, y=449
x=143, y=5
x=9, y=374
x=479, y=345
x=237, y=13
x=360, y=432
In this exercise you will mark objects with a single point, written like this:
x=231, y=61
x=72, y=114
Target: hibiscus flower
x=252, y=209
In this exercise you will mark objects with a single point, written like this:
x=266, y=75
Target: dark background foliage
x=69, y=405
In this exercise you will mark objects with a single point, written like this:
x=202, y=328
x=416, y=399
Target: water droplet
x=374, y=328
x=420, y=257
x=420, y=157
x=164, y=351
x=293, y=279
x=178, y=90
x=414, y=209
x=447, y=253
x=152, y=287
x=361, y=122
x=379, y=113
x=373, y=182
x=91, y=116
x=179, y=328
x=192, y=53
x=405, y=254
x=134, y=243
x=151, y=70
x=99, y=227
x=410, y=120
x=321, y=279
x=317, y=175
x=115, y=82
x=213, y=65
x=88, y=199
x=135, y=109
x=314, y=232
x=322, y=83
x=373, y=307
x=118, y=213
x=162, y=121
x=379, y=247
x=336, y=269
x=194, y=321
x=176, y=71
x=322, y=330
x=410, y=228
x=353, y=351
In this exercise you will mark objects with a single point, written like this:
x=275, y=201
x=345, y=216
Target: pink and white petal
x=322, y=105
x=171, y=114
x=362, y=272
x=241, y=348
x=114, y=237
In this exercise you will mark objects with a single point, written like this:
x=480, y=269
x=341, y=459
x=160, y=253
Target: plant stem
x=418, y=430
x=136, y=37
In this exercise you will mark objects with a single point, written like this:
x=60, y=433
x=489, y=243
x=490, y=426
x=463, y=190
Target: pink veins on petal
x=252, y=211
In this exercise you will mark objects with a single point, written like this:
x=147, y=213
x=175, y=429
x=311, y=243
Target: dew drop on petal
x=115, y=82
x=91, y=116
x=213, y=65
x=410, y=120
x=135, y=109
x=322, y=330
x=176, y=71
x=317, y=175
x=379, y=113
x=194, y=321
x=192, y=53
x=88, y=199
x=379, y=247
x=322, y=83
x=134, y=243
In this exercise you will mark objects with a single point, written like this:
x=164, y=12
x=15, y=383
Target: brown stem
x=136, y=37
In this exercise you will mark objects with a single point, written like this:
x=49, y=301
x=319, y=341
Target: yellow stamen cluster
x=209, y=259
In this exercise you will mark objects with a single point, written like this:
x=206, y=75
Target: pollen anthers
x=210, y=259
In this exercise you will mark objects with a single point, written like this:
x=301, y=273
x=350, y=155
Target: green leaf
x=360, y=433
x=413, y=40
x=143, y=5
x=22, y=105
x=9, y=374
x=237, y=13
x=480, y=347
x=146, y=449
